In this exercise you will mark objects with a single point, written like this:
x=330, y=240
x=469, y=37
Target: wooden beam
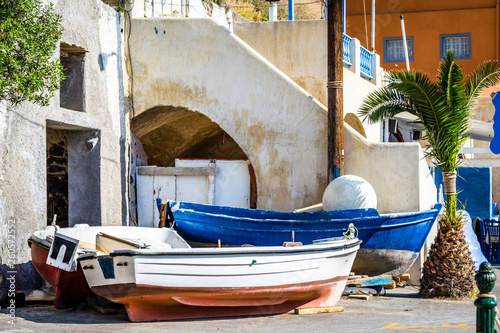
x=363, y=297
x=177, y=171
x=323, y=309
x=335, y=89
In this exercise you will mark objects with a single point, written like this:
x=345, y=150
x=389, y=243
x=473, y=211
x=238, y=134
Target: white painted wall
x=231, y=187
x=397, y=171
x=96, y=27
x=281, y=127
x=299, y=49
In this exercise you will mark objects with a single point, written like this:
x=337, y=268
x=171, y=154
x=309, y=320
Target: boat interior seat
x=109, y=243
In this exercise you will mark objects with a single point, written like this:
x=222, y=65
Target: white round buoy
x=349, y=192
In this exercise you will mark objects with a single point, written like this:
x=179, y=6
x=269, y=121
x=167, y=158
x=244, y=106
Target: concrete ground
x=400, y=310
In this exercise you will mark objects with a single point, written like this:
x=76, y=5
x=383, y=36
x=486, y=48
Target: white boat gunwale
x=253, y=250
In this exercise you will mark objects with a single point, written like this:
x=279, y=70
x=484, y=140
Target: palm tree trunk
x=450, y=190
x=450, y=182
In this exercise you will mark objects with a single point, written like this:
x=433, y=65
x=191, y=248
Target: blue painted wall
x=495, y=142
x=474, y=190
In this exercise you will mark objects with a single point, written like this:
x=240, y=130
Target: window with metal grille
x=458, y=43
x=394, y=50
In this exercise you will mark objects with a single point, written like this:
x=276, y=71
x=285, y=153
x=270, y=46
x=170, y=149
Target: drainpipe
x=291, y=12
x=373, y=25
x=405, y=47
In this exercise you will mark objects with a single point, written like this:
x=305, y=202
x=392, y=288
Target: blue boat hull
x=391, y=242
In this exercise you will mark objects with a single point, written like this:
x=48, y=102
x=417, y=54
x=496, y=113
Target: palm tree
x=442, y=109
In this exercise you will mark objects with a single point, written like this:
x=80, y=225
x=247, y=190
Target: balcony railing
x=347, y=51
x=366, y=63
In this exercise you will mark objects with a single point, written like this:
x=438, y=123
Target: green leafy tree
x=442, y=109
x=29, y=33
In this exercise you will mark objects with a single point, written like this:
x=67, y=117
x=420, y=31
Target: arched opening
x=168, y=133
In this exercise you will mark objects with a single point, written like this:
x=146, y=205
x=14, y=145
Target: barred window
x=394, y=51
x=458, y=43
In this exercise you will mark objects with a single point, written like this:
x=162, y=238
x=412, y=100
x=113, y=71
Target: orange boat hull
x=148, y=303
x=71, y=288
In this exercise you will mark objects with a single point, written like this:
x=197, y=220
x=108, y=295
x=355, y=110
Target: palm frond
x=450, y=80
x=383, y=103
x=486, y=75
x=425, y=96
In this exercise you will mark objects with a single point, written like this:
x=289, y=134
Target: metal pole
x=343, y=17
x=373, y=25
x=335, y=89
x=486, y=301
x=405, y=47
x=291, y=13
x=273, y=11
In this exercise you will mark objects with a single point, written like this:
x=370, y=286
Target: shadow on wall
x=167, y=133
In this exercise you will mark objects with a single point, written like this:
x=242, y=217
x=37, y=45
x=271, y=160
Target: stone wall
x=28, y=131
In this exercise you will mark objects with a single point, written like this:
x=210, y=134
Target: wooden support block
x=363, y=297
x=324, y=309
x=356, y=277
x=391, y=285
x=405, y=277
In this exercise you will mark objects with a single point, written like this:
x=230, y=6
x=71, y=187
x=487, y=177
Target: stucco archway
x=168, y=132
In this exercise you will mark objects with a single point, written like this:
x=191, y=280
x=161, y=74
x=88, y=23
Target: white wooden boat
x=178, y=283
x=54, y=252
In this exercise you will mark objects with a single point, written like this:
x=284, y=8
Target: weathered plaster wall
x=397, y=171
x=299, y=49
x=95, y=27
x=279, y=126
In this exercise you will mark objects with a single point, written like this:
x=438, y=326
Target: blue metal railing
x=365, y=63
x=346, y=50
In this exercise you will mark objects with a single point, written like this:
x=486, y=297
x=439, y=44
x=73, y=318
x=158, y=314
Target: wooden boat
x=391, y=242
x=182, y=283
x=59, y=267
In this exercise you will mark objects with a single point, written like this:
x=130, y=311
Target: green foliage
x=29, y=33
x=442, y=108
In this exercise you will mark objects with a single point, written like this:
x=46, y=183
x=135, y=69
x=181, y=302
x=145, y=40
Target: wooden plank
x=380, y=280
x=363, y=297
x=313, y=208
x=324, y=309
x=391, y=285
x=405, y=277
x=177, y=171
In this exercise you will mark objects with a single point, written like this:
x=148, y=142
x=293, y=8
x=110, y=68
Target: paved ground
x=399, y=311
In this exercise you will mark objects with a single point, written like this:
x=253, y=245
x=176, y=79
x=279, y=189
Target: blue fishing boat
x=390, y=242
